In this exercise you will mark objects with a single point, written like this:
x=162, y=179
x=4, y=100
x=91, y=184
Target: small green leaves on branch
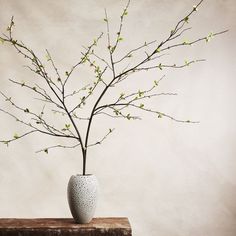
x=160, y=66
x=67, y=127
x=209, y=37
x=141, y=105
x=195, y=8
x=122, y=105
x=105, y=136
x=186, y=19
x=46, y=150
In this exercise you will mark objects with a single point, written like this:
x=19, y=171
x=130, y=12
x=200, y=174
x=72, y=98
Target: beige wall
x=170, y=179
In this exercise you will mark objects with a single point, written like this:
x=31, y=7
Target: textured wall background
x=170, y=179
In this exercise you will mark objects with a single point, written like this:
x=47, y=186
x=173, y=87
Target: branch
x=35, y=128
x=130, y=53
x=56, y=146
x=73, y=115
x=16, y=136
x=161, y=66
x=83, y=59
x=100, y=142
x=119, y=38
x=34, y=89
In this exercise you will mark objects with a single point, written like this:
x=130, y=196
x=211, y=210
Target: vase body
x=82, y=194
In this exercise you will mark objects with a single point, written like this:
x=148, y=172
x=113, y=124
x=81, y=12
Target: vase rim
x=86, y=175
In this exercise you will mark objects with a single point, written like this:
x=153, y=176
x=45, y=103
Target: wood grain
x=118, y=226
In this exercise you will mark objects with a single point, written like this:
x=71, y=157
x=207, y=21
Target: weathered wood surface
x=64, y=227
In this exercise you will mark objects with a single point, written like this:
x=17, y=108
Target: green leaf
x=141, y=105
x=12, y=23
x=157, y=50
x=122, y=96
x=128, y=117
x=97, y=69
x=160, y=66
x=120, y=39
x=209, y=37
x=186, y=19
x=105, y=20
x=186, y=63
x=46, y=150
x=195, y=8
x=67, y=73
x=112, y=49
x=67, y=126
x=6, y=142
x=155, y=83
x=48, y=58
x=116, y=112
x=16, y=136
x=140, y=93
x=159, y=115
x=186, y=42
x=95, y=42
x=125, y=13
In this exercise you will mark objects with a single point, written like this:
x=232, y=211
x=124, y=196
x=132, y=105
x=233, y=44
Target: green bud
x=140, y=93
x=128, y=117
x=141, y=105
x=155, y=83
x=186, y=19
x=46, y=150
x=120, y=39
x=160, y=66
x=67, y=126
x=48, y=58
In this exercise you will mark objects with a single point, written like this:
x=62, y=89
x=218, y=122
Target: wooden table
x=65, y=227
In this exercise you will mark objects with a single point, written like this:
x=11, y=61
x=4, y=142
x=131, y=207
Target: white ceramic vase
x=82, y=194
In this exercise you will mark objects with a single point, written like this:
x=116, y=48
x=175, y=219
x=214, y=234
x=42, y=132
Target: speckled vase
x=82, y=194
